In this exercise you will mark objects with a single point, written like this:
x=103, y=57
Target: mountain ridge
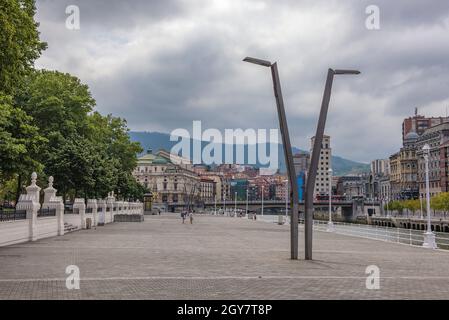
x=159, y=140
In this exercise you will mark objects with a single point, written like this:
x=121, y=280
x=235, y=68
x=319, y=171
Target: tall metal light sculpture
x=287, y=152
x=313, y=167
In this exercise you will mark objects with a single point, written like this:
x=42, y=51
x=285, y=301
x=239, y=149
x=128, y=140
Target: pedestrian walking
x=183, y=216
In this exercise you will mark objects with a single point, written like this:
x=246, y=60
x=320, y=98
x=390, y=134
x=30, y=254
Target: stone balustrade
x=52, y=218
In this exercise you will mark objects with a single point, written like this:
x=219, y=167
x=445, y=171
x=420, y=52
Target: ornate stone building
x=170, y=178
x=404, y=170
x=437, y=137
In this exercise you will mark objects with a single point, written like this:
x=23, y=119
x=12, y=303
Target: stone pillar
x=30, y=203
x=51, y=201
x=139, y=207
x=110, y=201
x=92, y=203
x=81, y=206
x=101, y=212
x=126, y=207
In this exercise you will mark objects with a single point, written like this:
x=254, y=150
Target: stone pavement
x=216, y=258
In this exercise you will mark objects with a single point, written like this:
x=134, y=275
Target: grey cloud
x=192, y=69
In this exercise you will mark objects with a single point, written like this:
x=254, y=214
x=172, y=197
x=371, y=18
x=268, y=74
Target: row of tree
x=48, y=123
x=439, y=203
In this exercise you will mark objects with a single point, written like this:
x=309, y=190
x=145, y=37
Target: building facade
x=437, y=138
x=171, y=184
x=323, y=180
x=404, y=170
x=380, y=167
x=419, y=124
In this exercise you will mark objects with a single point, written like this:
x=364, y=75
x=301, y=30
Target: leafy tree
x=19, y=42
x=19, y=143
x=57, y=101
x=413, y=205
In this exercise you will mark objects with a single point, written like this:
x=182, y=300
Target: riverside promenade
x=216, y=258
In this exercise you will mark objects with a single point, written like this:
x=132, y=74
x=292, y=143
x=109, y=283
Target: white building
x=325, y=162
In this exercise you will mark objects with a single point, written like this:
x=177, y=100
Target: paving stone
x=216, y=258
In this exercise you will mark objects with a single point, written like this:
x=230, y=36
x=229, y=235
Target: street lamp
x=330, y=224
x=420, y=202
x=286, y=200
x=287, y=151
x=262, y=203
x=235, y=204
x=429, y=236
x=313, y=167
x=246, y=213
x=224, y=203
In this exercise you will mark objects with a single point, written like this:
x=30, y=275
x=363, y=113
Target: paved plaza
x=216, y=258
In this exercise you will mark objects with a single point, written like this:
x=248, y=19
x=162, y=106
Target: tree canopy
x=19, y=42
x=48, y=123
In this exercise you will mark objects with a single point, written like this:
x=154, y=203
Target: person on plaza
x=191, y=217
x=183, y=216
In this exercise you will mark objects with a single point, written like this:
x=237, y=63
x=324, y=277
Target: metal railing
x=71, y=210
x=46, y=212
x=388, y=234
x=12, y=215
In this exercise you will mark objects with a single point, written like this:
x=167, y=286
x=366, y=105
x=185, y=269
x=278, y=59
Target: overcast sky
x=162, y=64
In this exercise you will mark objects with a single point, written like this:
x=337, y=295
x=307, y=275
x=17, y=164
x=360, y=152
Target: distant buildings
x=437, y=137
x=325, y=163
x=170, y=178
x=419, y=124
x=350, y=186
x=404, y=170
x=301, y=162
x=380, y=167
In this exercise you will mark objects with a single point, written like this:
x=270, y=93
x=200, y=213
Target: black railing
x=46, y=212
x=89, y=210
x=12, y=214
x=71, y=210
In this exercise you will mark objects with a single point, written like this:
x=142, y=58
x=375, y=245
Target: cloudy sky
x=161, y=64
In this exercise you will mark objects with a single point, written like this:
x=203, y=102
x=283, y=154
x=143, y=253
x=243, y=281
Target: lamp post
x=330, y=224
x=286, y=200
x=287, y=151
x=246, y=211
x=262, y=203
x=224, y=204
x=215, y=205
x=429, y=236
x=420, y=202
x=388, y=212
x=313, y=167
x=235, y=204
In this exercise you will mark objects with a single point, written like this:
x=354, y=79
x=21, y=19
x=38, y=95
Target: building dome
x=412, y=136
